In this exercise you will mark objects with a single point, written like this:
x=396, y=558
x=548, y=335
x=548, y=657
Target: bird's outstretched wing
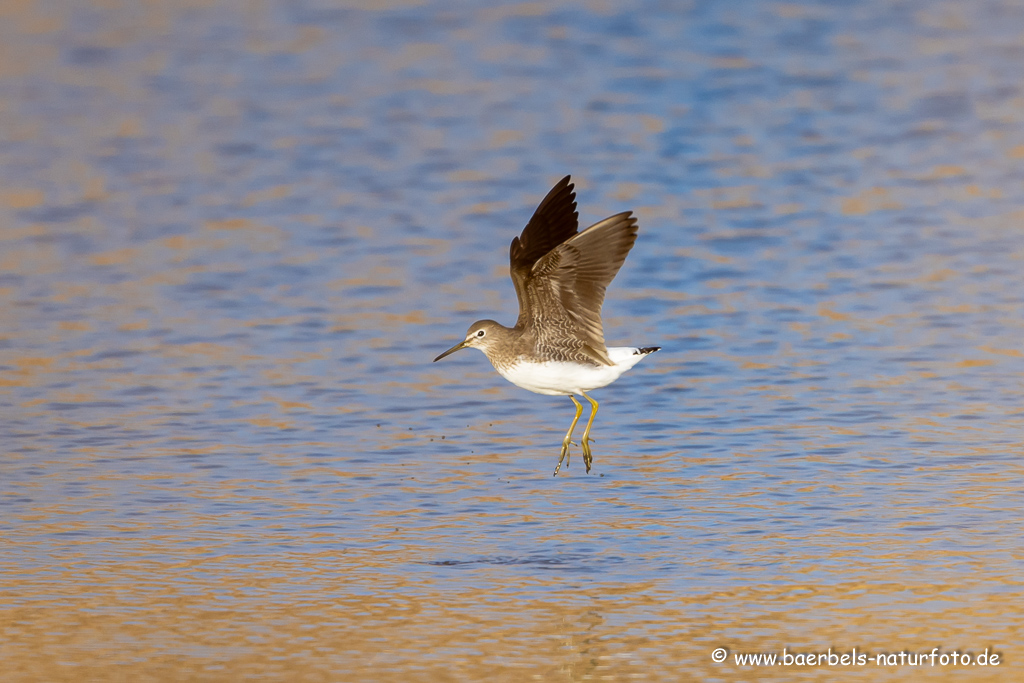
x=561, y=291
x=554, y=221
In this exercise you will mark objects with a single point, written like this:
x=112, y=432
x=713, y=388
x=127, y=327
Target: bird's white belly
x=557, y=378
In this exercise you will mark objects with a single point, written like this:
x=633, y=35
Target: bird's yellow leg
x=585, y=441
x=568, y=437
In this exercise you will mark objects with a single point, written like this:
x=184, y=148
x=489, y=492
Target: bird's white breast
x=558, y=378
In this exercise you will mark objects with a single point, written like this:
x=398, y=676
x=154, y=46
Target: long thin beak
x=460, y=345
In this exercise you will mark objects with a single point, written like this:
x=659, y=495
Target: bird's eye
x=480, y=333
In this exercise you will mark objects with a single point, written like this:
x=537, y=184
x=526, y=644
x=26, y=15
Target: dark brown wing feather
x=554, y=221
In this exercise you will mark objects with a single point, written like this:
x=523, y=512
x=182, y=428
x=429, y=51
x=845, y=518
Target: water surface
x=234, y=235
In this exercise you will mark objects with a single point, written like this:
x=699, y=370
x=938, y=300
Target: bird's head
x=482, y=334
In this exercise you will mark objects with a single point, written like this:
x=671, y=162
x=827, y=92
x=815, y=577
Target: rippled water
x=234, y=235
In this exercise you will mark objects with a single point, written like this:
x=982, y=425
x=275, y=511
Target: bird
x=560, y=274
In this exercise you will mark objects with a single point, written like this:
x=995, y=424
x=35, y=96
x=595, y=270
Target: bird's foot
x=564, y=455
x=588, y=459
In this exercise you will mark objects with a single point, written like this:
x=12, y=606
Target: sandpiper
x=557, y=345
